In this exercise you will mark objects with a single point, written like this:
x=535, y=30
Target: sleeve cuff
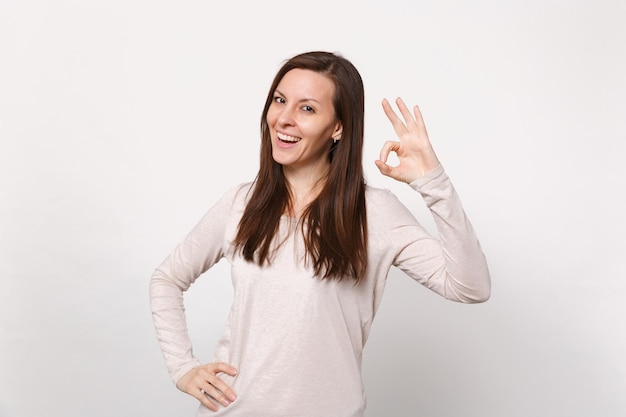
x=427, y=178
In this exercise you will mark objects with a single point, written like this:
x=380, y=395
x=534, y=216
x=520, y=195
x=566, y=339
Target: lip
x=284, y=143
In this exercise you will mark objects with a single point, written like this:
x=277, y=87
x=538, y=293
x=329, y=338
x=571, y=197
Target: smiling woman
x=301, y=119
x=310, y=247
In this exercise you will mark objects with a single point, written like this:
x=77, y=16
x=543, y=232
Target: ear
x=337, y=132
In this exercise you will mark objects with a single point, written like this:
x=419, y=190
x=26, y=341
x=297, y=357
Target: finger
x=396, y=122
x=419, y=119
x=389, y=146
x=390, y=171
x=219, y=385
x=217, y=382
x=404, y=110
x=202, y=396
x=211, y=392
x=226, y=368
x=383, y=168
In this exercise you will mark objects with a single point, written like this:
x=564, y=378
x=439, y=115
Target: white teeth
x=287, y=138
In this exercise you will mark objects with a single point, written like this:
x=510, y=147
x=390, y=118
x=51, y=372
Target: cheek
x=271, y=116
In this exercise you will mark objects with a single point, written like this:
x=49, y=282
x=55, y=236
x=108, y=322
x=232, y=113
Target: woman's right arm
x=196, y=253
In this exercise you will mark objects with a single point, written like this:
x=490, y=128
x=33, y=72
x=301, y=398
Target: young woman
x=310, y=246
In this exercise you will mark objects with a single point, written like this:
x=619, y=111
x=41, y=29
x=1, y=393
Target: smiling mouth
x=287, y=139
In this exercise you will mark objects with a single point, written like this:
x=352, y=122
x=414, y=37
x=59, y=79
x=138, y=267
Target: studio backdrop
x=122, y=122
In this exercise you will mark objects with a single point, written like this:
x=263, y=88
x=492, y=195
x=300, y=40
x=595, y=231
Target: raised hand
x=204, y=384
x=415, y=153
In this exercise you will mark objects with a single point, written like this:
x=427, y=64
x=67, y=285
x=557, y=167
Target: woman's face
x=302, y=121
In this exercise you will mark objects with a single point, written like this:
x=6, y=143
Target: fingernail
x=232, y=397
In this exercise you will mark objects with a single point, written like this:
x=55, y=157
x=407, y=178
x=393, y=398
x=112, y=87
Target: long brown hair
x=334, y=225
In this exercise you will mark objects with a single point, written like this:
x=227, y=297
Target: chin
x=278, y=159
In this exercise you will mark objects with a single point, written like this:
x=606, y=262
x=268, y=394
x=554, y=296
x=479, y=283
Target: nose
x=285, y=117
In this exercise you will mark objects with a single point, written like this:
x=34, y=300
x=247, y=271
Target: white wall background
x=121, y=122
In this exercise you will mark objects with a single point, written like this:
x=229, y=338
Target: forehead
x=307, y=84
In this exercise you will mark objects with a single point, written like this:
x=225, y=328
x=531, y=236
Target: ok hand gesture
x=414, y=151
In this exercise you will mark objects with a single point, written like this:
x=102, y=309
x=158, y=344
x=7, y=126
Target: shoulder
x=384, y=208
x=232, y=202
x=240, y=193
x=379, y=198
x=236, y=196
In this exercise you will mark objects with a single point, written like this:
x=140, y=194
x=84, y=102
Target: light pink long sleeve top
x=297, y=340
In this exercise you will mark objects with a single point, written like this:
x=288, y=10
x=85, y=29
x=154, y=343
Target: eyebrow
x=301, y=100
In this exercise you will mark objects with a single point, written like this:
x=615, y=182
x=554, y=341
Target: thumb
x=383, y=168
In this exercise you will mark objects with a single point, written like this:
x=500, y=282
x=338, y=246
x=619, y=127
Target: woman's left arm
x=454, y=265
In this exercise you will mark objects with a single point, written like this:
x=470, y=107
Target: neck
x=304, y=186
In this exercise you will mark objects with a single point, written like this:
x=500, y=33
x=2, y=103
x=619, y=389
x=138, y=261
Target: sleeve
x=196, y=253
x=454, y=265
